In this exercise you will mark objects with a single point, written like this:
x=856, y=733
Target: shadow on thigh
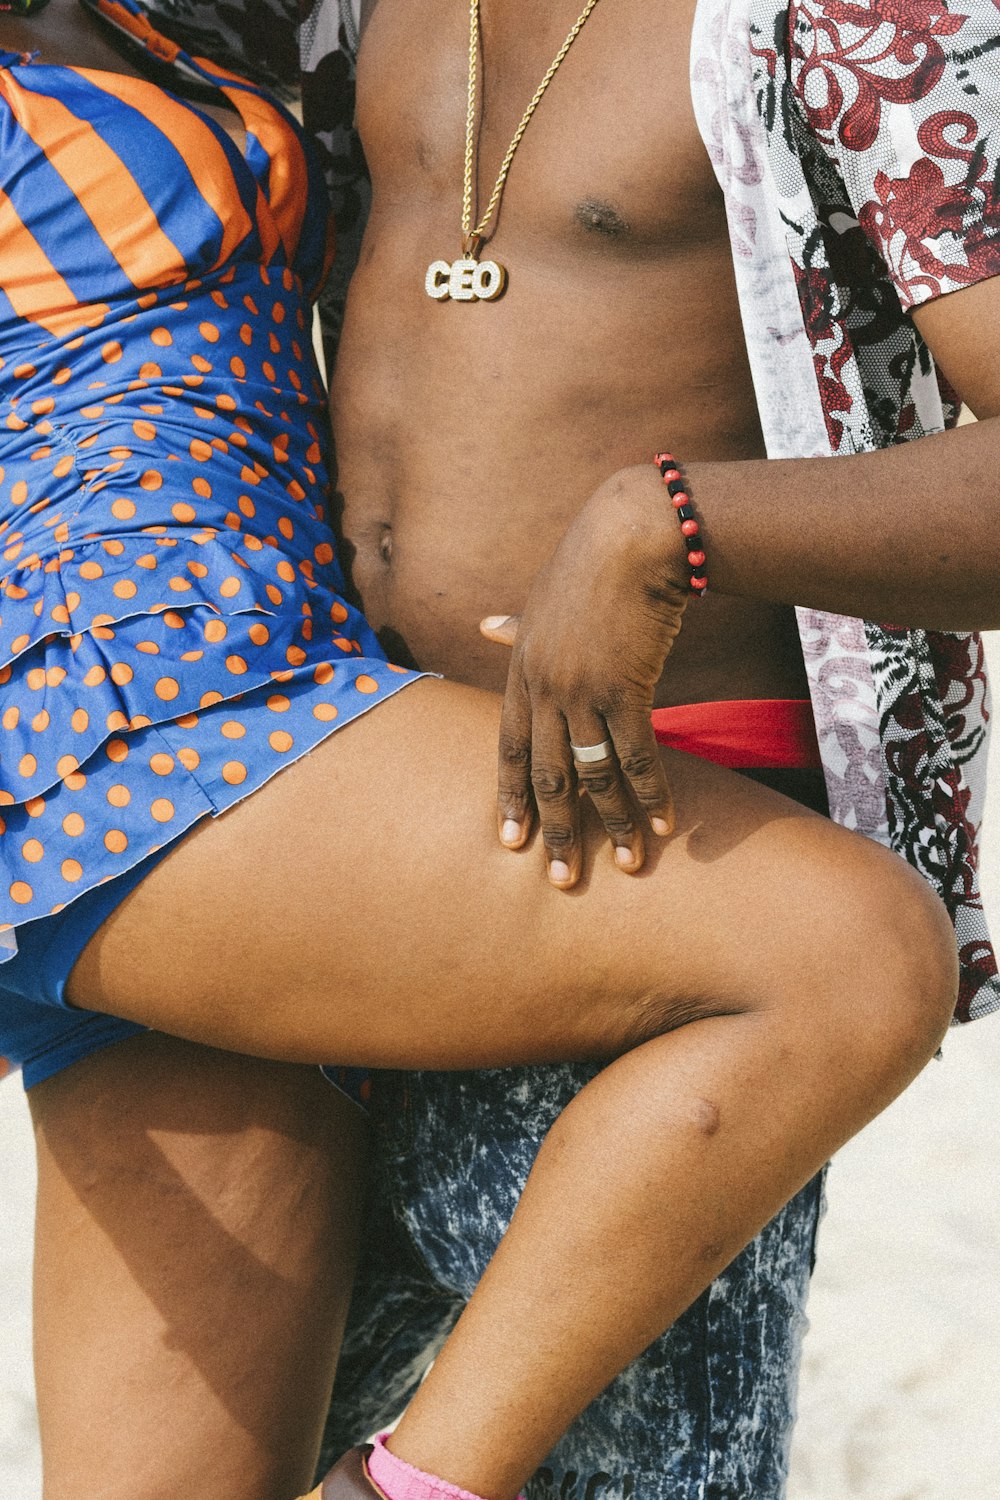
x=196, y=1237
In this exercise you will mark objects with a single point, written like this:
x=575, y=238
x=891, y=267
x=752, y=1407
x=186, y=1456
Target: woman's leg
x=787, y=979
x=194, y=1251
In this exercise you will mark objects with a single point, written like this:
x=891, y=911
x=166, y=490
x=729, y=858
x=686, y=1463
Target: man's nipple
x=385, y=543
x=601, y=218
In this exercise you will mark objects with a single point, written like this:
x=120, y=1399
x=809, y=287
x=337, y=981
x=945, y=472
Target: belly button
x=385, y=543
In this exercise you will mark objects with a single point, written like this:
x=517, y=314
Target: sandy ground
x=901, y=1383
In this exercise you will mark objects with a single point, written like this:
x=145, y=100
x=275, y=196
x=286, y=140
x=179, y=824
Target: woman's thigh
x=360, y=907
x=195, y=1248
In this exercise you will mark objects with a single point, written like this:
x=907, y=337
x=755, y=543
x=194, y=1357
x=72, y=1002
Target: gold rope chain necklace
x=469, y=279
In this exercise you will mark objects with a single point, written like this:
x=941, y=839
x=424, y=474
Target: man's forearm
x=909, y=535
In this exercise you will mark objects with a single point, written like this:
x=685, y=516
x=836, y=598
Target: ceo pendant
x=465, y=280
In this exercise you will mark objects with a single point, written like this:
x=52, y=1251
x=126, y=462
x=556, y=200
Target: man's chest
x=612, y=159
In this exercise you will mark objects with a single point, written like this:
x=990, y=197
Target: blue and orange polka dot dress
x=172, y=623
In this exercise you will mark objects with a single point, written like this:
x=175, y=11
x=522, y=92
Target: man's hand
x=588, y=652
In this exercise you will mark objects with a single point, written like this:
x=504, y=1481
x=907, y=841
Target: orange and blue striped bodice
x=114, y=187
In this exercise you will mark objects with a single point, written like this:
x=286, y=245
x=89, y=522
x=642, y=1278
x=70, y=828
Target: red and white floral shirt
x=857, y=143
x=857, y=148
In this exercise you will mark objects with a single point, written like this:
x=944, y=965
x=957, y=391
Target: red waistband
x=743, y=733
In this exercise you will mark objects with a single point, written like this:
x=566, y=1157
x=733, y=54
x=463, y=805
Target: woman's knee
x=894, y=961
x=847, y=942
x=922, y=1002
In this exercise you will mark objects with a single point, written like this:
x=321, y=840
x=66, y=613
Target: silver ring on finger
x=585, y=754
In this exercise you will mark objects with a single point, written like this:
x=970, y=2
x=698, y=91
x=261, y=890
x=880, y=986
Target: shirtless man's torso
x=469, y=435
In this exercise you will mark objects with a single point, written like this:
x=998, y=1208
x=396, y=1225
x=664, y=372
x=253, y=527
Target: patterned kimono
x=856, y=147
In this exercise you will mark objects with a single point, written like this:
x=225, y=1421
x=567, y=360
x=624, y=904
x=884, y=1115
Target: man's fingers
x=601, y=778
x=500, y=628
x=554, y=786
x=515, y=805
x=642, y=768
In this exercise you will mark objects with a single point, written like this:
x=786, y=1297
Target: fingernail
x=510, y=833
x=659, y=826
x=493, y=622
x=558, y=870
x=624, y=857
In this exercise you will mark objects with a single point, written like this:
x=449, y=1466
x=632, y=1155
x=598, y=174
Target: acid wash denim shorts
x=705, y=1414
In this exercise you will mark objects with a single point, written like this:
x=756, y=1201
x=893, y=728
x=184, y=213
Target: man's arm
x=910, y=534
x=896, y=118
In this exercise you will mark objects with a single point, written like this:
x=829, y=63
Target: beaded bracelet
x=674, y=481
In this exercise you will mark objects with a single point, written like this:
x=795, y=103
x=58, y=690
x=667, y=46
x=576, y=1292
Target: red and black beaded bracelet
x=681, y=500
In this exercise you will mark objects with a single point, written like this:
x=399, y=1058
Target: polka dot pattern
x=173, y=630
x=160, y=779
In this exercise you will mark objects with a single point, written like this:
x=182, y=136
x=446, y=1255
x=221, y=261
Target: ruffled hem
x=89, y=587
x=70, y=695
x=163, y=687
x=74, y=673
x=148, y=786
